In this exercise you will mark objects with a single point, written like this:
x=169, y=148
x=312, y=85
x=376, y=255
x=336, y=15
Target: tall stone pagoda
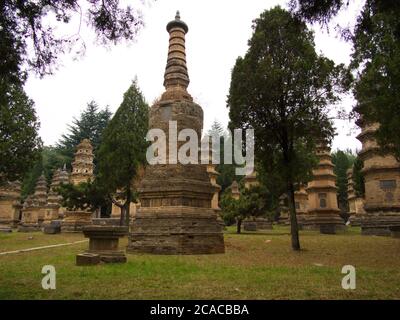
x=82, y=171
x=62, y=178
x=35, y=206
x=82, y=167
x=10, y=203
x=323, y=211
x=382, y=184
x=175, y=216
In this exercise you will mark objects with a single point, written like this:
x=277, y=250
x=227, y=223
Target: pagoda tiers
x=251, y=180
x=82, y=167
x=62, y=178
x=323, y=211
x=35, y=207
x=53, y=199
x=301, y=202
x=175, y=216
x=82, y=171
x=382, y=184
x=235, y=193
x=10, y=203
x=283, y=210
x=356, y=204
x=213, y=174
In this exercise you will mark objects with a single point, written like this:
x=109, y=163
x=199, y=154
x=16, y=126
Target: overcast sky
x=218, y=34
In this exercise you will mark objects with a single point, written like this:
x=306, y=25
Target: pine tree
x=282, y=89
x=90, y=125
x=122, y=152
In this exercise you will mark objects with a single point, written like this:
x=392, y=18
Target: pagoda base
x=74, y=221
x=379, y=224
x=257, y=224
x=104, y=242
x=176, y=230
x=355, y=220
x=324, y=223
x=29, y=227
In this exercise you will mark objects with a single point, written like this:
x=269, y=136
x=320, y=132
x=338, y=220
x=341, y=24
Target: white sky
x=218, y=34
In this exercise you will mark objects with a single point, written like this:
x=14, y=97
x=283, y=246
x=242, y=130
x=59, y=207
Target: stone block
x=87, y=259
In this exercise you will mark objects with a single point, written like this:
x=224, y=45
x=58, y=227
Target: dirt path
x=43, y=247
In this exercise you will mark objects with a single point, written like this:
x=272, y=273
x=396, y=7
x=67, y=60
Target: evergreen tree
x=376, y=58
x=122, y=152
x=20, y=143
x=281, y=89
x=90, y=125
x=226, y=171
x=343, y=160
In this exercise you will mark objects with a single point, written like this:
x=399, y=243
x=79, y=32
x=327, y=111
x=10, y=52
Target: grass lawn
x=255, y=266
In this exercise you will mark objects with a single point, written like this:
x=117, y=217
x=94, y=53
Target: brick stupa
x=175, y=216
x=10, y=203
x=382, y=184
x=323, y=212
x=82, y=171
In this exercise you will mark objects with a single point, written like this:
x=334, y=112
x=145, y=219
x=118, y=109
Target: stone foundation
x=176, y=230
x=74, y=221
x=379, y=224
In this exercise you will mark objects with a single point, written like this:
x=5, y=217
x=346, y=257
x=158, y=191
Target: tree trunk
x=238, y=226
x=294, y=228
x=128, y=205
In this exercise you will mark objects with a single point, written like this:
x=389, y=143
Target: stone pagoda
x=382, y=184
x=235, y=192
x=35, y=207
x=10, y=203
x=82, y=171
x=63, y=178
x=53, y=198
x=356, y=203
x=175, y=216
x=323, y=211
x=301, y=202
x=251, y=180
x=82, y=167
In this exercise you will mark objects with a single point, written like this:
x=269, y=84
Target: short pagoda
x=35, y=206
x=323, y=212
x=175, y=216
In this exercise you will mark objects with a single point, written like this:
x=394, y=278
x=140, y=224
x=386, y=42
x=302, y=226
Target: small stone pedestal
x=104, y=241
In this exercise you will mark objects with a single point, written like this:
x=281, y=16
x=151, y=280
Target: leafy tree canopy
x=20, y=143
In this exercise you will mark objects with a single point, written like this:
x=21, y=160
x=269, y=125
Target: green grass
x=255, y=266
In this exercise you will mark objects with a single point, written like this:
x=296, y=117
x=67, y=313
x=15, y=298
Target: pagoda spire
x=176, y=76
